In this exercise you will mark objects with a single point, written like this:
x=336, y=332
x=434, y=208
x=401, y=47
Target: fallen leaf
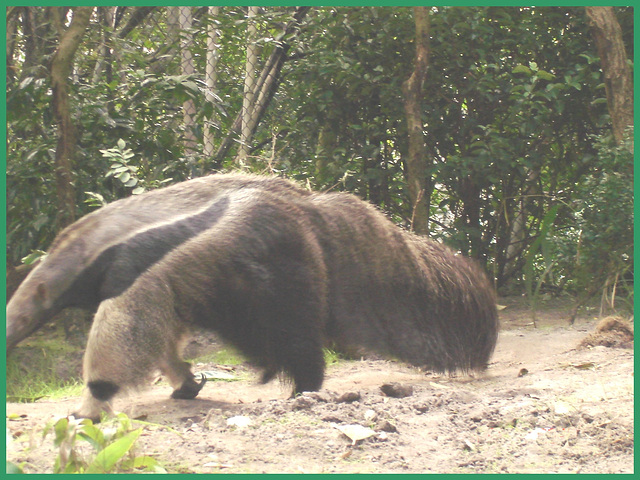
x=355, y=432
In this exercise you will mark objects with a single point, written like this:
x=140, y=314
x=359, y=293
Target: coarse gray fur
x=279, y=275
x=76, y=272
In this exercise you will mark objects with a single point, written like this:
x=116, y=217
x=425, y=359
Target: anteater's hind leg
x=306, y=366
x=297, y=344
x=298, y=319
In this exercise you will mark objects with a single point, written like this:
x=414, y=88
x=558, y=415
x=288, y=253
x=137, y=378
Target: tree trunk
x=418, y=179
x=518, y=232
x=249, y=86
x=185, y=20
x=60, y=69
x=265, y=86
x=12, y=26
x=617, y=75
x=211, y=75
x=103, y=63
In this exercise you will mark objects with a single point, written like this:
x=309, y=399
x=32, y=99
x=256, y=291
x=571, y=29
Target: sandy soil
x=543, y=406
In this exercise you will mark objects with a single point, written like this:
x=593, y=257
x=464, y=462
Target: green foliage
x=13, y=468
x=222, y=356
x=34, y=256
x=111, y=447
x=32, y=373
x=346, y=134
x=120, y=167
x=331, y=357
x=514, y=106
x=510, y=91
x=31, y=191
x=590, y=249
x=126, y=173
x=603, y=211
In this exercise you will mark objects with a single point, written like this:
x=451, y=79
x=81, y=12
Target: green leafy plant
x=121, y=169
x=111, y=447
x=34, y=256
x=604, y=214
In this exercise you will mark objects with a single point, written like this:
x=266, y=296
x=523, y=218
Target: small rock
x=476, y=416
x=303, y=403
x=386, y=426
x=323, y=397
x=348, y=397
x=332, y=419
x=561, y=408
x=587, y=418
x=397, y=390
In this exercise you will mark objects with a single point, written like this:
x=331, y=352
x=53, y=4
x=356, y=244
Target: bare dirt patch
x=544, y=405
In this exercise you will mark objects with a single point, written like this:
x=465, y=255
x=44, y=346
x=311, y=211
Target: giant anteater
x=274, y=270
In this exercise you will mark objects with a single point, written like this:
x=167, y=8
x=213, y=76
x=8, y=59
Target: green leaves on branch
x=532, y=70
x=139, y=177
x=120, y=167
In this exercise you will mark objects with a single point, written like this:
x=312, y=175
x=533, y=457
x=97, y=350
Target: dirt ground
x=543, y=406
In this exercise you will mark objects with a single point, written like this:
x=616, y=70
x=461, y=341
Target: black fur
x=115, y=269
x=103, y=390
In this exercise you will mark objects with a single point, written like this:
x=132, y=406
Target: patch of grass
x=230, y=356
x=223, y=356
x=32, y=371
x=331, y=357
